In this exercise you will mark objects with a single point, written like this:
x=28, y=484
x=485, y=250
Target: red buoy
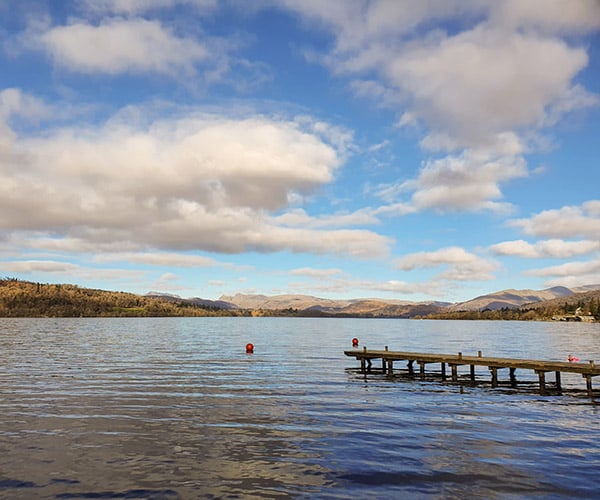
x=249, y=348
x=354, y=342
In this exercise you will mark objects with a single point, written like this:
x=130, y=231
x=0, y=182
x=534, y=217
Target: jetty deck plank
x=588, y=368
x=540, y=367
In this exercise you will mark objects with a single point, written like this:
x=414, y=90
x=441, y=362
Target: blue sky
x=432, y=150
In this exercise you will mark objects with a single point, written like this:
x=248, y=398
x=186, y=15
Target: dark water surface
x=174, y=408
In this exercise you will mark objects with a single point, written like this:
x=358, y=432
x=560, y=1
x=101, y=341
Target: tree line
x=29, y=299
x=588, y=305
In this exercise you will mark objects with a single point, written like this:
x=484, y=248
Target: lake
x=174, y=408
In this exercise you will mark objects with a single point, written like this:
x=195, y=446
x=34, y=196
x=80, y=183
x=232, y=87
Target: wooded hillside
x=27, y=299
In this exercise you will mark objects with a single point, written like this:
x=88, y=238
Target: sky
x=430, y=150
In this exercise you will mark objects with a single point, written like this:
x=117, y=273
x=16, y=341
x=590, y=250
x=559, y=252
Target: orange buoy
x=354, y=342
x=249, y=348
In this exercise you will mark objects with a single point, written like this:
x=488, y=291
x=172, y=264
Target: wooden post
x=513, y=379
x=478, y=354
x=443, y=371
x=558, y=384
x=473, y=372
x=588, y=382
x=422, y=367
x=363, y=365
x=383, y=362
x=454, y=373
x=542, y=377
x=494, y=371
x=390, y=366
x=411, y=370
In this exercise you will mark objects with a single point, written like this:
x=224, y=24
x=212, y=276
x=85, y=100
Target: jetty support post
x=365, y=362
x=411, y=370
x=454, y=372
x=422, y=368
x=472, y=372
x=443, y=370
x=454, y=367
x=542, y=378
x=385, y=362
x=588, y=381
x=558, y=382
x=513, y=378
x=494, y=372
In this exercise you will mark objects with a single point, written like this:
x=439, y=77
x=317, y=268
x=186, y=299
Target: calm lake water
x=171, y=408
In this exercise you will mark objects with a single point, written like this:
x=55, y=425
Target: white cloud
x=570, y=274
x=461, y=265
x=158, y=259
x=15, y=103
x=190, y=182
x=60, y=268
x=140, y=6
x=549, y=16
x=554, y=248
x=331, y=285
x=299, y=218
x=566, y=222
x=315, y=273
x=464, y=183
x=479, y=83
x=119, y=45
x=470, y=181
x=489, y=87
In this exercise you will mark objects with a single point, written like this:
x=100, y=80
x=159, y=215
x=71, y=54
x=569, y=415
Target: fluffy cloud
x=119, y=45
x=299, y=218
x=60, y=268
x=139, y=6
x=158, y=259
x=566, y=222
x=461, y=265
x=549, y=16
x=570, y=274
x=189, y=182
x=487, y=88
x=482, y=82
x=466, y=182
x=559, y=249
x=315, y=273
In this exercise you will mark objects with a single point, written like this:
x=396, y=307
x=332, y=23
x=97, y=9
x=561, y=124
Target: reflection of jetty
x=587, y=370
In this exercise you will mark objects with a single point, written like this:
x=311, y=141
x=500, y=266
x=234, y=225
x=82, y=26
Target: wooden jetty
x=586, y=369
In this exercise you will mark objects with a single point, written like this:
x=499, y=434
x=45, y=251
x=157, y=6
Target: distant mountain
x=197, y=301
x=277, y=302
x=28, y=299
x=511, y=299
x=318, y=306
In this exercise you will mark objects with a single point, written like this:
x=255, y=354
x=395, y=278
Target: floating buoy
x=249, y=348
x=354, y=342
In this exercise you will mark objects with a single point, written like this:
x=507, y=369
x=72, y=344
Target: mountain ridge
x=22, y=298
x=509, y=298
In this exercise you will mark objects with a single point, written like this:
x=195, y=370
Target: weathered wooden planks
x=540, y=367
